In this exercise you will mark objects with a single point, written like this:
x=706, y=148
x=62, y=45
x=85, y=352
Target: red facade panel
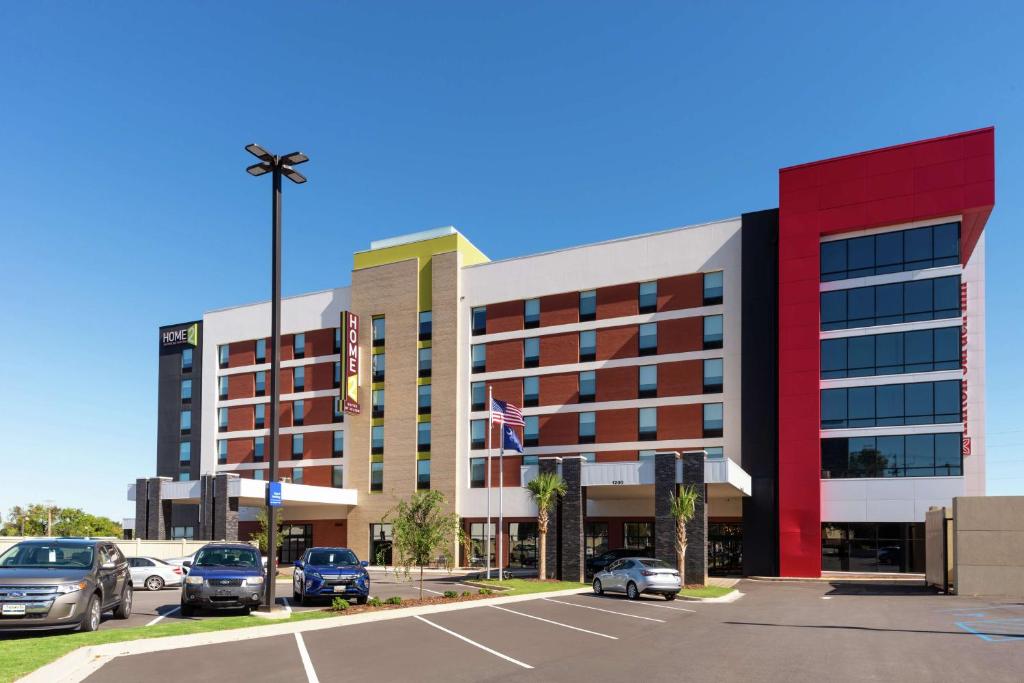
x=559, y=349
x=559, y=389
x=241, y=353
x=505, y=355
x=506, y=316
x=510, y=464
x=681, y=291
x=680, y=335
x=318, y=411
x=559, y=309
x=559, y=429
x=680, y=422
x=510, y=390
x=615, y=456
x=320, y=342
x=618, y=342
x=241, y=386
x=617, y=301
x=682, y=378
x=239, y=450
x=614, y=426
x=616, y=384
x=240, y=418
x=319, y=376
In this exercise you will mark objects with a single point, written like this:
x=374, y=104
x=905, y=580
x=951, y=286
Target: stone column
x=572, y=520
x=141, y=507
x=664, y=522
x=158, y=516
x=696, y=572
x=551, y=550
x=207, y=495
x=225, y=510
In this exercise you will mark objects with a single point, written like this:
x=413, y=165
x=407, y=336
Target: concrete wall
x=162, y=550
x=938, y=562
x=988, y=547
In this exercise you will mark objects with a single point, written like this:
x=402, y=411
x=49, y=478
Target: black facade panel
x=760, y=391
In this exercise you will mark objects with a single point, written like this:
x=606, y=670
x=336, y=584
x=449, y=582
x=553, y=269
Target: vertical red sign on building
x=350, y=362
x=966, y=445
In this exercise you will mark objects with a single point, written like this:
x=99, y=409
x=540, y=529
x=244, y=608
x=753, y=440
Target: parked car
x=63, y=583
x=636, y=575
x=600, y=562
x=223, y=576
x=323, y=572
x=153, y=574
x=182, y=562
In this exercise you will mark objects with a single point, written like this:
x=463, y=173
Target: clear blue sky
x=528, y=126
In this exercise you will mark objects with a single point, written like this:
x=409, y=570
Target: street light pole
x=276, y=166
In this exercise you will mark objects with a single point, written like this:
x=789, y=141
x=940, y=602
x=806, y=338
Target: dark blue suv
x=223, y=576
x=323, y=572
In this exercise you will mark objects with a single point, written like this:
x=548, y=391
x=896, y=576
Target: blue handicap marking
x=995, y=630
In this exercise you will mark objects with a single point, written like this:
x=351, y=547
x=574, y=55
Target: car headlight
x=194, y=580
x=66, y=588
x=254, y=581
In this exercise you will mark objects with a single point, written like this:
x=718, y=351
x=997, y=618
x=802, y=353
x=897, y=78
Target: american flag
x=504, y=412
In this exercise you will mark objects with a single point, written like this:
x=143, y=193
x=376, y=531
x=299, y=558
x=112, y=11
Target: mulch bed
x=409, y=602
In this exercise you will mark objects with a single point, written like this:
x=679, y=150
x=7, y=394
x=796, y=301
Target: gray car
x=636, y=575
x=62, y=583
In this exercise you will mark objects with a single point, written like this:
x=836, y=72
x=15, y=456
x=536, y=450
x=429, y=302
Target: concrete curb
x=81, y=663
x=836, y=579
x=728, y=597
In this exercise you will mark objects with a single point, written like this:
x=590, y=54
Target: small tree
x=545, y=490
x=263, y=534
x=420, y=529
x=683, y=507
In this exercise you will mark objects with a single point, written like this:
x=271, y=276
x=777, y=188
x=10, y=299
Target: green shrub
x=339, y=604
x=485, y=591
x=466, y=594
x=394, y=600
x=451, y=594
x=374, y=602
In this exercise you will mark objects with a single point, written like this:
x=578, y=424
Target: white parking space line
x=556, y=623
x=287, y=605
x=659, y=605
x=599, y=609
x=474, y=643
x=427, y=590
x=307, y=663
x=164, y=615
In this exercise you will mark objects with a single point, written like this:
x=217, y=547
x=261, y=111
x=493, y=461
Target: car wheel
x=91, y=620
x=670, y=596
x=361, y=600
x=187, y=610
x=598, y=588
x=631, y=591
x=295, y=595
x=124, y=608
x=247, y=610
x=154, y=583
x=302, y=599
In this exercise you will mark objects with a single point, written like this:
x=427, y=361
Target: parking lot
x=777, y=631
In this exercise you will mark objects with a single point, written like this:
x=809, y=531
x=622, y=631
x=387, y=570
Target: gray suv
x=56, y=583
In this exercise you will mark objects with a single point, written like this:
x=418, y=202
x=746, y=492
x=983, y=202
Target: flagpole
x=487, y=528
x=501, y=488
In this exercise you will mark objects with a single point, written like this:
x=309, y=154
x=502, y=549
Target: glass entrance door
x=725, y=548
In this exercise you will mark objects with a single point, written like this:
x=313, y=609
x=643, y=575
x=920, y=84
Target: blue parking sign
x=274, y=494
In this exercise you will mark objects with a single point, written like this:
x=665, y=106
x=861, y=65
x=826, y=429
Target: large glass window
x=376, y=476
x=595, y=539
x=531, y=431
x=261, y=383
x=916, y=455
x=478, y=395
x=186, y=420
x=891, y=252
x=648, y=421
x=639, y=536
x=531, y=352
x=714, y=335
x=222, y=387
x=377, y=325
x=478, y=433
x=522, y=545
x=298, y=443
x=900, y=302
x=380, y=543
x=479, y=319
x=259, y=416
x=261, y=350
x=478, y=353
x=531, y=313
x=587, y=427
x=424, y=361
x=377, y=403
x=481, y=538
x=298, y=378
x=299, y=345
x=423, y=399
x=222, y=451
x=713, y=419
x=588, y=345
x=378, y=366
x=185, y=452
x=298, y=413
x=338, y=444
x=891, y=354
x=872, y=547
x=222, y=355
x=531, y=391
x=891, y=405
x=186, y=390
x=423, y=474
x=648, y=297
x=713, y=371
x=588, y=386
x=423, y=436
x=648, y=381
x=477, y=473
x=588, y=305
x=713, y=288
x=377, y=439
x=186, y=360
x=258, y=446
x=426, y=325
x=648, y=339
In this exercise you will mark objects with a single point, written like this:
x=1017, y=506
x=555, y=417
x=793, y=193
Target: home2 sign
x=183, y=335
x=350, y=362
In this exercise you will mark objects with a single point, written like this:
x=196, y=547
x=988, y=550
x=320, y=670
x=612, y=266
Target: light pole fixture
x=278, y=166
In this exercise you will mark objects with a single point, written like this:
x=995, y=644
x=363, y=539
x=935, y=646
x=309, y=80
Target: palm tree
x=545, y=489
x=683, y=506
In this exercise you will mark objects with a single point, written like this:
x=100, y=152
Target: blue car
x=223, y=576
x=330, y=572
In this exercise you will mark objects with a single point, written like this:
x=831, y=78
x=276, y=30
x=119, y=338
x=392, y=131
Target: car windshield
x=656, y=564
x=47, y=556
x=227, y=557
x=332, y=558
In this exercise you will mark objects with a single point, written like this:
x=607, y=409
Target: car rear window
x=48, y=555
x=227, y=557
x=656, y=564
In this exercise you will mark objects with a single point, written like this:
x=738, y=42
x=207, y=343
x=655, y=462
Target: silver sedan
x=636, y=575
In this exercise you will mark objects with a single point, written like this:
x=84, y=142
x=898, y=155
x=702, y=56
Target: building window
x=479, y=319
x=258, y=475
x=424, y=359
x=222, y=355
x=648, y=299
x=891, y=252
x=378, y=364
x=426, y=325
x=713, y=420
x=478, y=395
x=898, y=302
x=649, y=339
x=261, y=383
x=377, y=439
x=222, y=387
x=891, y=354
x=648, y=381
x=595, y=538
x=588, y=457
x=423, y=474
x=377, y=403
x=588, y=305
x=377, y=325
x=588, y=345
x=713, y=288
x=259, y=416
x=299, y=345
x=648, y=424
x=186, y=421
x=298, y=443
x=478, y=433
x=423, y=437
x=714, y=452
x=639, y=536
x=531, y=313
x=185, y=453
x=298, y=378
x=916, y=455
x=179, y=532
x=643, y=456
x=261, y=350
x=186, y=391
x=531, y=392
x=588, y=386
x=376, y=476
x=872, y=547
x=222, y=451
x=186, y=360
x=338, y=476
x=258, y=445
x=338, y=444
x=891, y=405
x=336, y=380
x=522, y=542
x=587, y=427
x=296, y=475
x=713, y=332
x=713, y=368
x=298, y=412
x=337, y=414
x=531, y=460
x=531, y=352
x=478, y=353
x=531, y=431
x=337, y=340
x=479, y=535
x=477, y=473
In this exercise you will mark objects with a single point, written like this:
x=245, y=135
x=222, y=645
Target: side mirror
x=298, y=564
x=364, y=563
x=186, y=563
x=108, y=565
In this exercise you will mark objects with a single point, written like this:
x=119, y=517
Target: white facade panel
x=886, y=500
